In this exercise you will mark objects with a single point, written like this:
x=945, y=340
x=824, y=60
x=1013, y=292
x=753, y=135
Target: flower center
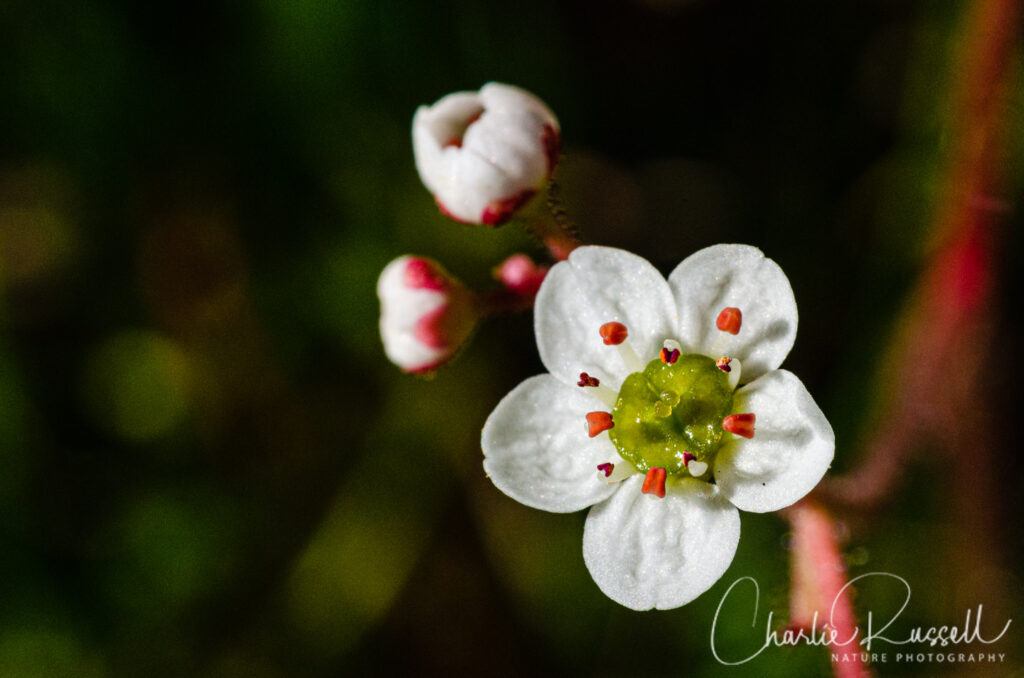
x=671, y=412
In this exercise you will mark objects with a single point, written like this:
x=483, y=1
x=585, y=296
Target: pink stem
x=953, y=293
x=558, y=241
x=819, y=585
x=552, y=226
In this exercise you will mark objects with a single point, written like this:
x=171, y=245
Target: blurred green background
x=207, y=465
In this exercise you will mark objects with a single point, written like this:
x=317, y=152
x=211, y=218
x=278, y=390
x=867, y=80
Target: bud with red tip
x=425, y=314
x=521, y=275
x=484, y=154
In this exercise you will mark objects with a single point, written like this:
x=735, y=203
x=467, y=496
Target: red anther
x=587, y=380
x=729, y=320
x=614, y=333
x=500, y=211
x=740, y=424
x=654, y=482
x=669, y=356
x=723, y=364
x=688, y=457
x=598, y=422
x=607, y=467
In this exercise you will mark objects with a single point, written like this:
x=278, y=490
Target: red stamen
x=729, y=320
x=740, y=424
x=607, y=467
x=723, y=364
x=669, y=357
x=587, y=380
x=613, y=333
x=598, y=422
x=687, y=458
x=654, y=482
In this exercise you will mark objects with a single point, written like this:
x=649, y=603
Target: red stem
x=558, y=241
x=819, y=585
x=954, y=290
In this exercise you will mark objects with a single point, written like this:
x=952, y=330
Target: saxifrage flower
x=665, y=410
x=484, y=154
x=425, y=313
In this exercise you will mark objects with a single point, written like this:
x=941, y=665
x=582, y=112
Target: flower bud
x=425, y=314
x=484, y=154
x=521, y=275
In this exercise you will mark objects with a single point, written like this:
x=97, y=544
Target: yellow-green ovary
x=670, y=409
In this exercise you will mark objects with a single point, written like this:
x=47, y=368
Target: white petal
x=646, y=552
x=401, y=308
x=511, y=134
x=512, y=100
x=432, y=128
x=536, y=449
x=742, y=277
x=598, y=285
x=462, y=181
x=792, y=447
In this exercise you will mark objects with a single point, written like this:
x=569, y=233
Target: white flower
x=677, y=446
x=425, y=314
x=485, y=154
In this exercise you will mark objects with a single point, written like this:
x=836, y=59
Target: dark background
x=207, y=465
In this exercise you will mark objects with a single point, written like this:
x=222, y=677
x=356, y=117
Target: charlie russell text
x=875, y=631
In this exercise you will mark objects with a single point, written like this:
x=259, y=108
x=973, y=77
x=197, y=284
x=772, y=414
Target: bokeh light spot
x=137, y=385
x=31, y=652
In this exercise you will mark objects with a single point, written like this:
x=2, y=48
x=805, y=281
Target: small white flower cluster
x=688, y=417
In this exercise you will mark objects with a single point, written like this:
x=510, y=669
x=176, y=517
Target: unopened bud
x=425, y=313
x=520, y=275
x=485, y=154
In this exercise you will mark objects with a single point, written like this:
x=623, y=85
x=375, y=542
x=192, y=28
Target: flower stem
x=503, y=302
x=948, y=307
x=552, y=226
x=818, y=585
